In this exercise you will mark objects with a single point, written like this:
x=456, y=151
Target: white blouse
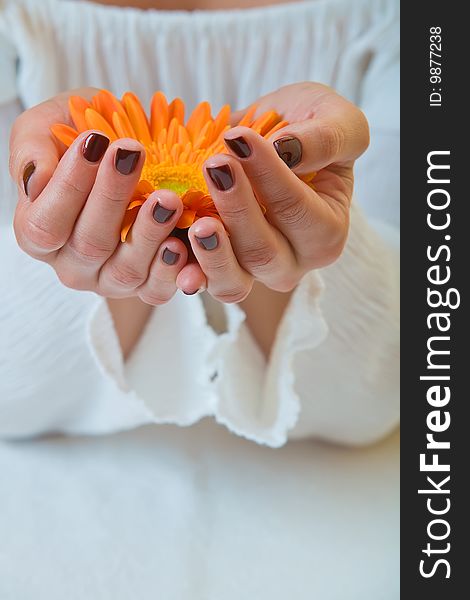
x=333, y=372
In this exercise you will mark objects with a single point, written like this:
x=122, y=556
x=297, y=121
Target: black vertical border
x=424, y=129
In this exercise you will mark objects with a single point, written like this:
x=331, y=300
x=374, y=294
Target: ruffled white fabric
x=333, y=371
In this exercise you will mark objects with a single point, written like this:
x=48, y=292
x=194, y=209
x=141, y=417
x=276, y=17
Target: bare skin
x=131, y=315
x=264, y=258
x=193, y=4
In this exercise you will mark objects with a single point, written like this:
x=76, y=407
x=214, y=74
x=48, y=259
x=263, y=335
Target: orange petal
x=123, y=126
x=187, y=219
x=203, y=212
x=221, y=121
x=200, y=115
x=67, y=135
x=176, y=111
x=135, y=203
x=129, y=218
x=162, y=137
x=95, y=121
x=265, y=122
x=107, y=104
x=137, y=117
x=183, y=137
x=172, y=133
x=193, y=199
x=248, y=116
x=175, y=152
x=276, y=128
x=144, y=187
x=77, y=108
x=158, y=114
x=203, y=136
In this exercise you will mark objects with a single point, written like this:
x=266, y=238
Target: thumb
x=316, y=143
x=34, y=151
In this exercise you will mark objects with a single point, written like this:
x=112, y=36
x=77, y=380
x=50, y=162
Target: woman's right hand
x=69, y=213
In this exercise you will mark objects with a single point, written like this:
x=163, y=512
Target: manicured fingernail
x=94, y=147
x=208, y=243
x=199, y=291
x=162, y=214
x=169, y=257
x=126, y=160
x=27, y=173
x=221, y=176
x=290, y=150
x=239, y=146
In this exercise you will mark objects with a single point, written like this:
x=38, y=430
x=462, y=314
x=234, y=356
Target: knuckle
x=333, y=250
x=113, y=195
x=71, y=279
x=330, y=140
x=89, y=251
x=232, y=295
x=154, y=297
x=70, y=187
x=286, y=284
x=218, y=263
x=40, y=235
x=258, y=256
x=262, y=176
x=125, y=275
x=294, y=213
x=235, y=210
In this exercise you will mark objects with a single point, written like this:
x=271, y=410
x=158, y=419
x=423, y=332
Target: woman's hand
x=303, y=228
x=69, y=213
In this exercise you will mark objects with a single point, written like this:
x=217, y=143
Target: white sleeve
x=344, y=385
x=60, y=361
x=333, y=370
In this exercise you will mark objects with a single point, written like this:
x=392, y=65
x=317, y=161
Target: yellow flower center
x=177, y=178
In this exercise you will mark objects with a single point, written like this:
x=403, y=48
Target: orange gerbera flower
x=175, y=151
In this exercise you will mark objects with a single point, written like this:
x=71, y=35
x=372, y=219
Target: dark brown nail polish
x=190, y=293
x=208, y=243
x=126, y=160
x=27, y=173
x=162, y=214
x=221, y=176
x=290, y=150
x=169, y=257
x=95, y=146
x=239, y=146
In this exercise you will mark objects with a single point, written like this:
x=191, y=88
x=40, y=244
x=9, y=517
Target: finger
x=226, y=280
x=160, y=286
x=191, y=279
x=128, y=268
x=97, y=230
x=45, y=224
x=34, y=152
x=260, y=248
x=337, y=135
x=306, y=220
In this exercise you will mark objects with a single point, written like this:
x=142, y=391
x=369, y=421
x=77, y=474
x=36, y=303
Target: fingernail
x=208, y=243
x=199, y=291
x=27, y=173
x=290, y=150
x=95, y=146
x=221, y=176
x=169, y=257
x=240, y=146
x=162, y=214
x=126, y=160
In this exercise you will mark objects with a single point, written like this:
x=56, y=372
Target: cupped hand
x=71, y=206
x=301, y=228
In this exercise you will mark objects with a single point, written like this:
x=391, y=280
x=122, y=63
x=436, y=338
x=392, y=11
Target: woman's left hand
x=303, y=228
